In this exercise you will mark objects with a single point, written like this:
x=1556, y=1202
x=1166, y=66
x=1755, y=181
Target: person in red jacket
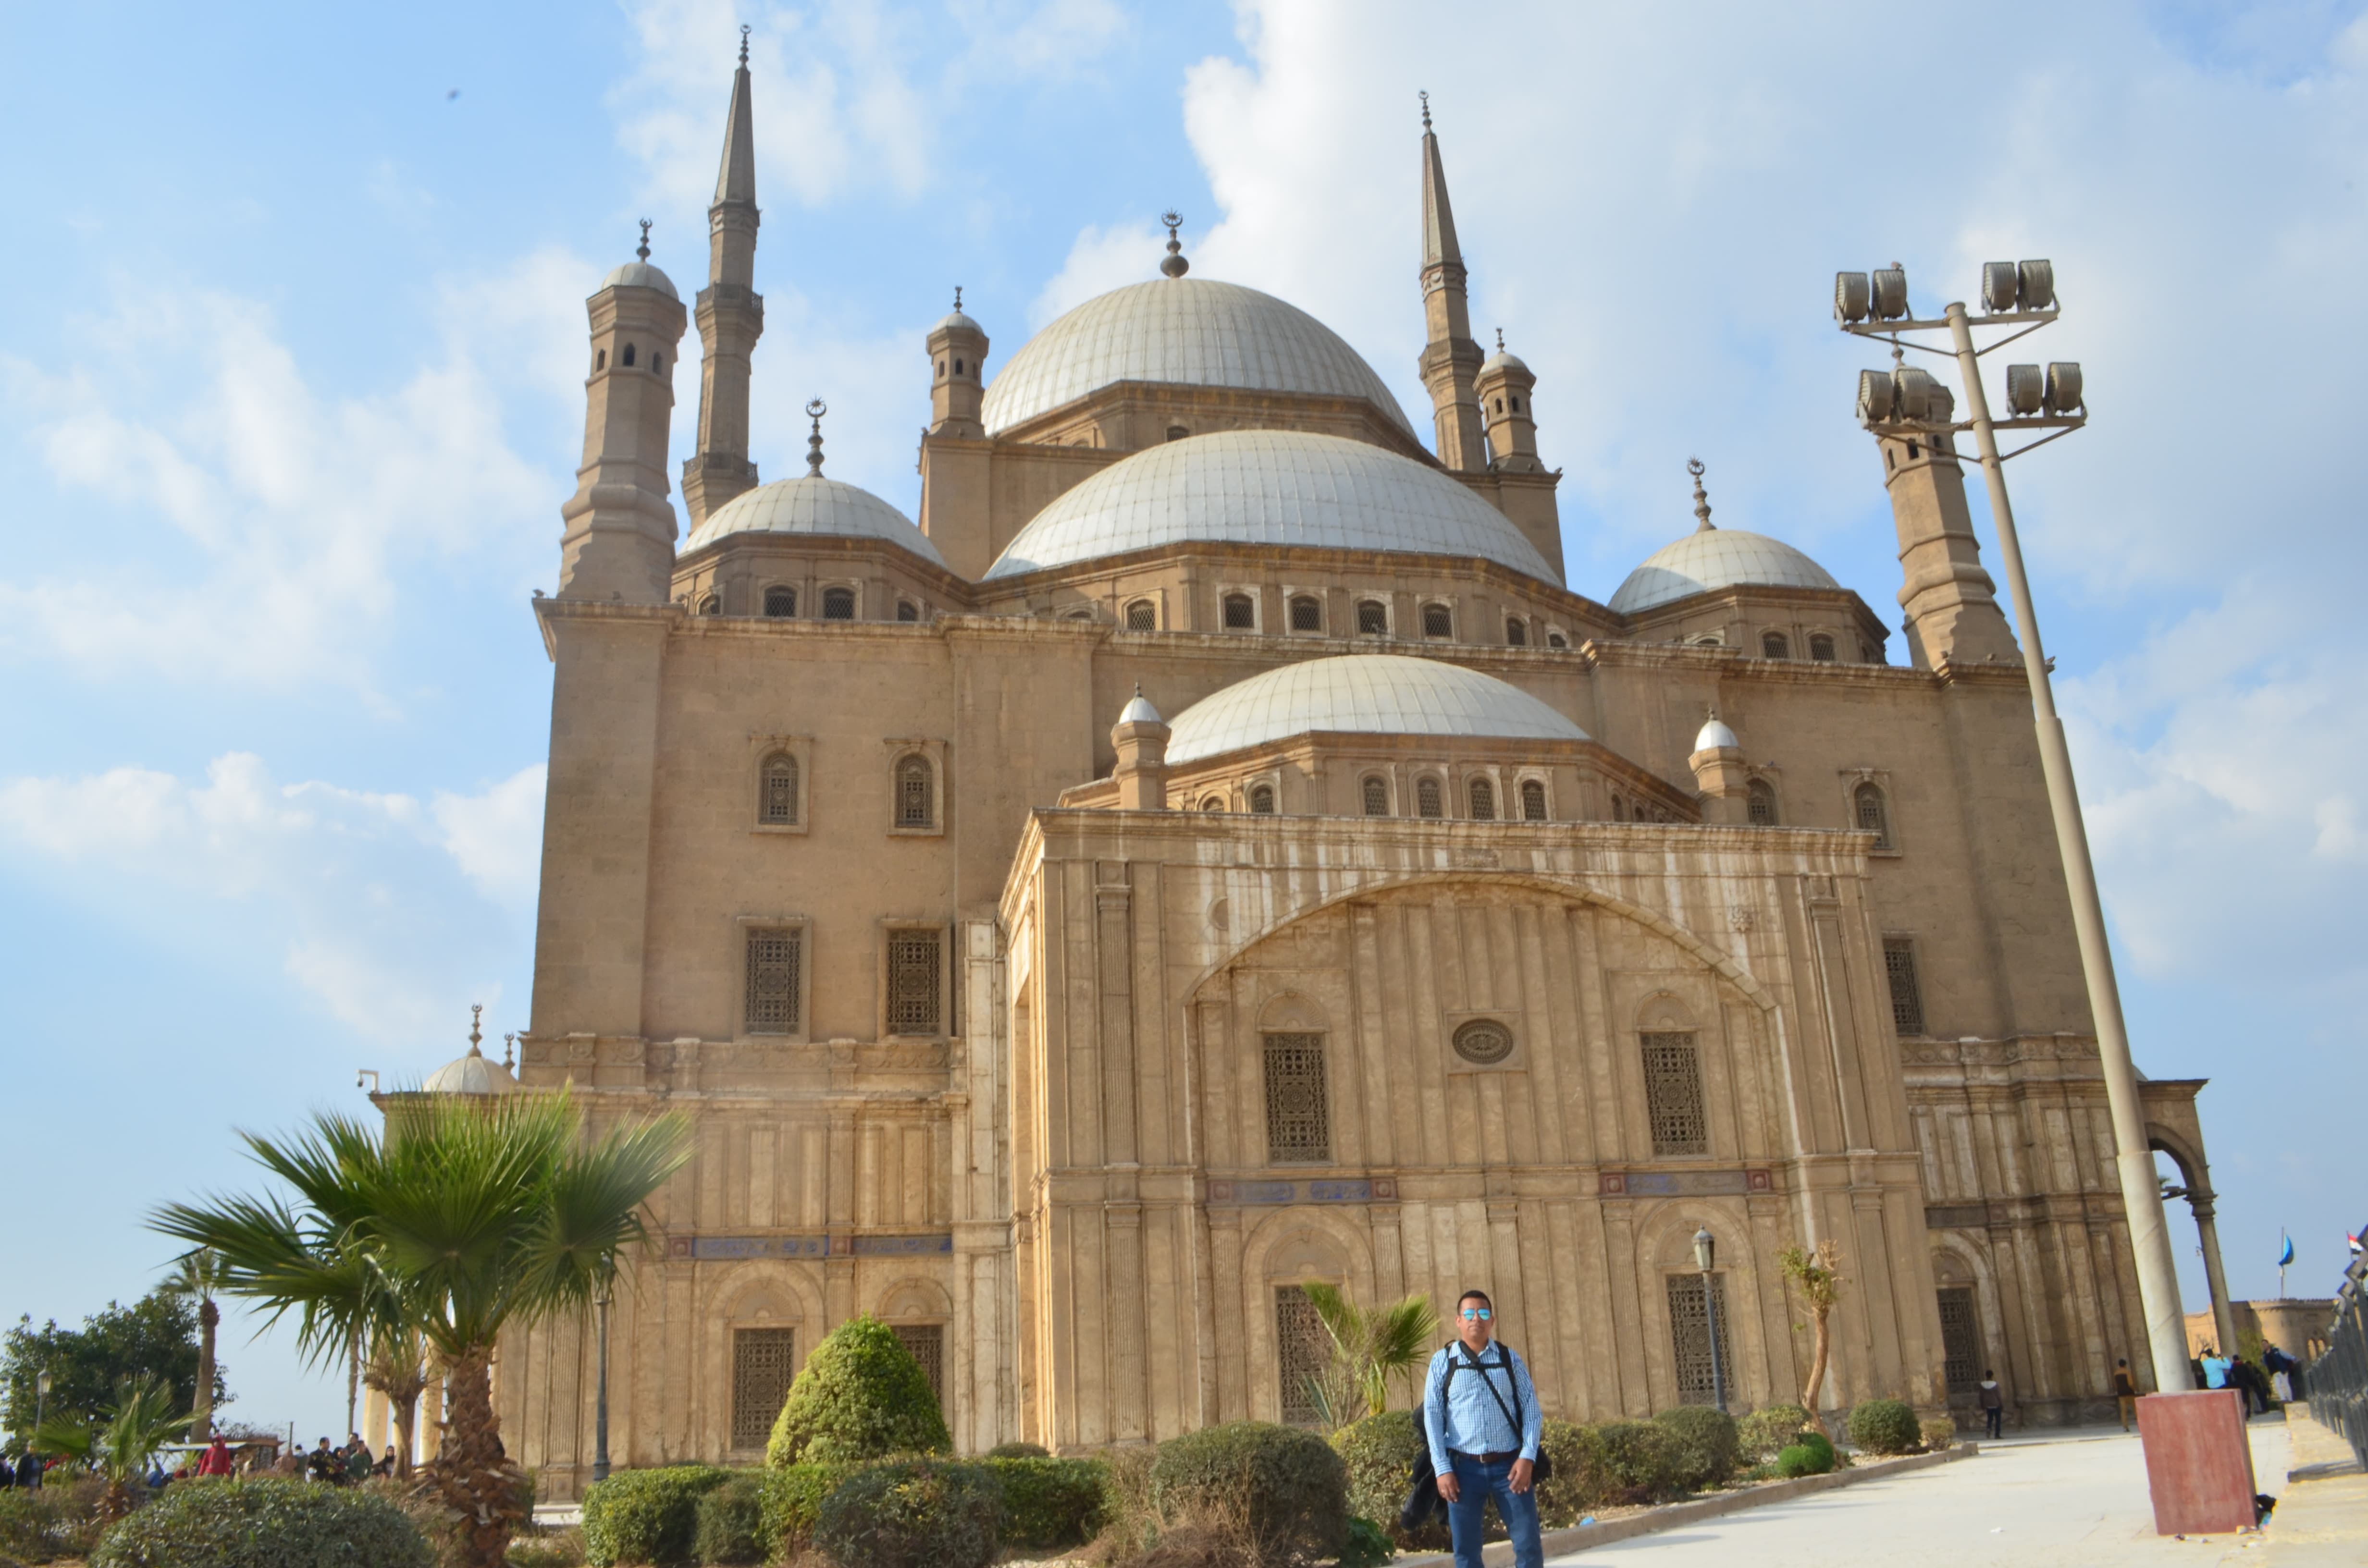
x=216, y=1460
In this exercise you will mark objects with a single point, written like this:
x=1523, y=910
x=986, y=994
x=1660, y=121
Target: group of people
x=349, y=1466
x=2214, y=1370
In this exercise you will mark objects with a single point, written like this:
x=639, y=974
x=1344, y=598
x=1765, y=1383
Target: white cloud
x=1100, y=258
x=495, y=836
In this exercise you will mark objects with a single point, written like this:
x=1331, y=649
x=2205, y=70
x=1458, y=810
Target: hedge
x=1771, y=1428
x=1704, y=1445
x=1811, y=1455
x=913, y=1514
x=264, y=1523
x=1285, y=1487
x=732, y=1522
x=860, y=1396
x=793, y=1497
x=1050, y=1502
x=1640, y=1461
x=1885, y=1427
x=647, y=1516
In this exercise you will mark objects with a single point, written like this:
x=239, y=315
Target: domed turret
x=957, y=374
x=1504, y=386
x=470, y=1075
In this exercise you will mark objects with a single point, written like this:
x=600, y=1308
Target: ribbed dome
x=1268, y=487
x=1716, y=558
x=470, y=1074
x=1372, y=693
x=1183, y=331
x=813, y=505
x=640, y=275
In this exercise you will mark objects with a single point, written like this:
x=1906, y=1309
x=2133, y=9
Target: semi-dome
x=1716, y=558
x=1183, y=331
x=1374, y=694
x=640, y=275
x=1274, y=487
x=813, y=505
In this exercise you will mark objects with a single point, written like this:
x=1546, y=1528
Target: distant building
x=2296, y=1325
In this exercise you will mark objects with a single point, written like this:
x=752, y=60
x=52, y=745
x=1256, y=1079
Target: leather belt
x=1502, y=1457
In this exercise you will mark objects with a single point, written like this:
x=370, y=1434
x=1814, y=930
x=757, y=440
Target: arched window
x=941, y=367
x=1377, y=796
x=1534, y=800
x=1517, y=632
x=916, y=793
x=1372, y=618
x=781, y=603
x=1517, y=406
x=958, y=367
x=1143, y=615
x=1484, y=800
x=710, y=605
x=1673, y=1095
x=1873, y=813
x=626, y=359
x=1760, y=803
x=657, y=363
x=1241, y=613
x=1437, y=620
x=1306, y=613
x=839, y=604
x=1212, y=802
x=1774, y=645
x=1298, y=1101
x=1556, y=640
x=599, y=360
x=778, y=796
x=1428, y=800
x=907, y=610
x=1821, y=648
x=1500, y=405
x=1262, y=800
x=1080, y=615
x=1177, y=432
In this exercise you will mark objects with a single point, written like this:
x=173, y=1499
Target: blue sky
x=292, y=395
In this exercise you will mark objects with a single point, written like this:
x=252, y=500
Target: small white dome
x=1140, y=712
x=1716, y=558
x=813, y=505
x=1374, y=694
x=1181, y=331
x=1501, y=361
x=470, y=1075
x=1715, y=736
x=1277, y=487
x=641, y=275
x=957, y=322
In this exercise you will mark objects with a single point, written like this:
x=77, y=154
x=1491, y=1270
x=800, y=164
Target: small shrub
x=793, y=1497
x=1760, y=1434
x=1581, y=1483
x=552, y=1549
x=1282, y=1492
x=1378, y=1454
x=647, y=1516
x=730, y=1522
x=1049, y=1502
x=1704, y=1445
x=30, y=1531
x=1811, y=1455
x=913, y=1514
x=1640, y=1461
x=1130, y=1523
x=1019, y=1452
x=1885, y=1427
x=1368, y=1545
x=266, y=1523
x=860, y=1396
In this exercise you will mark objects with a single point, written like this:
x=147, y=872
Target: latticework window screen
x=1141, y=616
x=1428, y=800
x=1533, y=801
x=926, y=1344
x=1372, y=618
x=1298, y=1108
x=915, y=796
x=1377, y=798
x=1907, y=995
x=775, y=958
x=1673, y=1094
x=914, y=986
x=780, y=801
x=763, y=1362
x=1689, y=1330
x=1961, y=1338
x=1761, y=800
x=1483, y=800
x=1301, y=1348
x=1874, y=815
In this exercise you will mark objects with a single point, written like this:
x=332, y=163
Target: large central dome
x=1186, y=331
x=1274, y=487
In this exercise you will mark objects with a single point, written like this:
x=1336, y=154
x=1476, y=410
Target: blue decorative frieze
x=719, y=1248
x=1382, y=1189
x=1682, y=1184
x=900, y=1246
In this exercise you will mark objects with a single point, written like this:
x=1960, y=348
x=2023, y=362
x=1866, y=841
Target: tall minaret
x=620, y=534
x=1952, y=611
x=1451, y=360
x=731, y=317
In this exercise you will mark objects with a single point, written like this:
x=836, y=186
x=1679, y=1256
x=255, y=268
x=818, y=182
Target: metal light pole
x=600, y=1398
x=2023, y=295
x=1705, y=1254
x=40, y=1401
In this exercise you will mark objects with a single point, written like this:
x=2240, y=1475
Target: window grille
x=839, y=604
x=1262, y=800
x=710, y=605
x=1517, y=634
x=1556, y=640
x=907, y=610
x=1874, y=815
x=1143, y=615
x=1178, y=432
x=776, y=957
x=1377, y=797
x=1775, y=645
x=915, y=797
x=1821, y=649
x=1437, y=620
x=1673, y=1095
x=1303, y=1350
x=781, y=603
x=780, y=790
x=1690, y=1327
x=1533, y=801
x=763, y=1362
x=1483, y=800
x=1306, y=615
x=1298, y=1111
x=1961, y=1339
x=1241, y=613
x=1907, y=995
x=1372, y=618
x=925, y=1342
x=913, y=986
x=1428, y=800
x=1761, y=804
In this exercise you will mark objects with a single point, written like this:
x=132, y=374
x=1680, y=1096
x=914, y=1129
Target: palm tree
x=465, y=1218
x=142, y=1422
x=1370, y=1345
x=198, y=1274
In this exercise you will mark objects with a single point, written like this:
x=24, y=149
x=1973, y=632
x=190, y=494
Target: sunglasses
x=1483, y=1314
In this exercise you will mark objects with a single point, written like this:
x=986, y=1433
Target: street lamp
x=600, y=1399
x=2022, y=295
x=1705, y=1256
x=40, y=1398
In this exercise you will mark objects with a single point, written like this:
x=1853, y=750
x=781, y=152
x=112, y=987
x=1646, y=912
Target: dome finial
x=1702, y=500
x=1425, y=97
x=1174, y=266
x=645, y=252
x=1500, y=340
x=744, y=45
x=509, y=1052
x=477, y=1011
x=956, y=299
x=815, y=409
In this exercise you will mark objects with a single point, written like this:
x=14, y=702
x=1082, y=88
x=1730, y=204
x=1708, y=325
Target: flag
x=2351, y=1240
x=2286, y=1256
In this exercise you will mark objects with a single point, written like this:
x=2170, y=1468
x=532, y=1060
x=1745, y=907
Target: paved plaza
x=2076, y=1497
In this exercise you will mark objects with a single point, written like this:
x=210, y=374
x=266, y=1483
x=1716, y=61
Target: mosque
x=1213, y=850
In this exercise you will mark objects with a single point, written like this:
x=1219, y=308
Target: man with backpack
x=1481, y=1415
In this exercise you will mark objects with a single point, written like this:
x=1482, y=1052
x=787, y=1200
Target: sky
x=290, y=394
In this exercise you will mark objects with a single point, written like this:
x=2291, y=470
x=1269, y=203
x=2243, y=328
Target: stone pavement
x=2074, y=1498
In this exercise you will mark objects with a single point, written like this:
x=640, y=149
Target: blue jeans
x=1477, y=1483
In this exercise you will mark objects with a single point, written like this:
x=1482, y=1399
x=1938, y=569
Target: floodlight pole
x=2141, y=1194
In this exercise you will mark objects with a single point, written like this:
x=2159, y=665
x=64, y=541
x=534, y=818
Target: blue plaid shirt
x=1460, y=1413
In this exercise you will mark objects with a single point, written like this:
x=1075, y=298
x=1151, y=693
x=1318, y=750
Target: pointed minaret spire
x=1451, y=360
x=731, y=316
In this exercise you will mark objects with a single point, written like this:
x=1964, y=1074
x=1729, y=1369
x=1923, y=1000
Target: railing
x=2337, y=1380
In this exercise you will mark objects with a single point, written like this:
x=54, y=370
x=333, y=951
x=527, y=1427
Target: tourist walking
x=1993, y=1405
x=217, y=1459
x=2125, y=1393
x=1481, y=1414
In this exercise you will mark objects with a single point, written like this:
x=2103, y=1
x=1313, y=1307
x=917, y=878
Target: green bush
x=268, y=1523
x=1770, y=1427
x=1283, y=1489
x=1704, y=1445
x=30, y=1531
x=1019, y=1452
x=647, y=1516
x=793, y=1504
x=1368, y=1545
x=1050, y=1502
x=1640, y=1461
x=1581, y=1483
x=730, y=1522
x=1377, y=1455
x=1885, y=1427
x=860, y=1396
x=913, y=1514
x=1811, y=1455
x=1940, y=1433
